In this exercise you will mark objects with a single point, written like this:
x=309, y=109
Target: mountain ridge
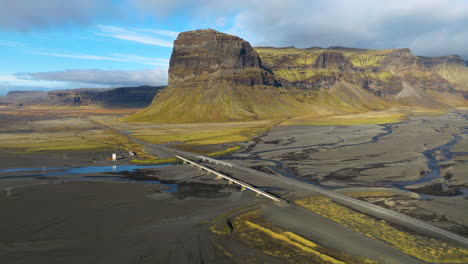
x=118, y=97
x=215, y=77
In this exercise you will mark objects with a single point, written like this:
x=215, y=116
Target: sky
x=58, y=44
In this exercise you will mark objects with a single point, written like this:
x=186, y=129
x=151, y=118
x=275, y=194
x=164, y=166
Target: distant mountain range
x=219, y=77
x=123, y=97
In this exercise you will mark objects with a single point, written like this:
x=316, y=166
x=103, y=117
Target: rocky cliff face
x=431, y=62
x=332, y=60
x=400, y=60
x=382, y=73
x=202, y=54
x=219, y=77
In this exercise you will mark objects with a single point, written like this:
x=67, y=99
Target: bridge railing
x=231, y=179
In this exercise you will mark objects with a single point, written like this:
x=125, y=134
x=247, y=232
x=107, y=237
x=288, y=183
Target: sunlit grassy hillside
x=457, y=75
x=224, y=102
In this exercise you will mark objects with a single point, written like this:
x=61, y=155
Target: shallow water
x=61, y=171
x=433, y=161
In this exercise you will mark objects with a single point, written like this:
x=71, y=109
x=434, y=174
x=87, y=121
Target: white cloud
x=13, y=80
x=11, y=43
x=167, y=33
x=78, y=56
x=113, y=57
x=142, y=59
x=16, y=83
x=124, y=34
x=156, y=76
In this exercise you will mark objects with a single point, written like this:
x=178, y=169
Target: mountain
x=123, y=97
x=20, y=98
x=219, y=77
x=453, y=68
x=387, y=74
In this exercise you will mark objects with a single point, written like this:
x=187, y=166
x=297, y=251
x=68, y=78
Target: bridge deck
x=231, y=179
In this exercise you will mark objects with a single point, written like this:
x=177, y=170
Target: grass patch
x=174, y=160
x=62, y=134
x=44, y=112
x=220, y=225
x=252, y=229
x=424, y=248
x=154, y=161
x=224, y=152
x=199, y=134
x=54, y=142
x=383, y=117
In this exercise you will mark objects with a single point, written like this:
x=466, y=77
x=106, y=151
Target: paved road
x=333, y=235
x=253, y=176
x=152, y=149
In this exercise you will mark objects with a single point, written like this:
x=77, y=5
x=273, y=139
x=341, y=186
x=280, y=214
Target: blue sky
x=57, y=44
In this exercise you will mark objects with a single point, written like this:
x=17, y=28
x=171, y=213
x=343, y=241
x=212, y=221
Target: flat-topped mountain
x=205, y=52
x=219, y=77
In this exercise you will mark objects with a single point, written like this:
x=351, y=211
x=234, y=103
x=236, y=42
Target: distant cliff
x=219, y=77
x=388, y=74
x=123, y=97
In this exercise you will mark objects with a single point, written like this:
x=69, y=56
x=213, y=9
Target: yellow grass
x=198, y=134
x=457, y=75
x=285, y=237
x=67, y=112
x=272, y=240
x=224, y=152
x=55, y=141
x=380, y=117
x=154, y=161
x=424, y=248
x=68, y=134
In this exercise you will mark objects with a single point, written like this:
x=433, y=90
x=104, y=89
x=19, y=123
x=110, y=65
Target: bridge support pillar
x=243, y=188
x=218, y=178
x=230, y=182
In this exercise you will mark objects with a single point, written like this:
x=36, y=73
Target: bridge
x=231, y=180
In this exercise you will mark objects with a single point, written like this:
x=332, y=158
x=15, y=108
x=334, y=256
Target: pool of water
x=60, y=171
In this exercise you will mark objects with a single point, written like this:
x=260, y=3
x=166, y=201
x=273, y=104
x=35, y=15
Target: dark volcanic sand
x=112, y=222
